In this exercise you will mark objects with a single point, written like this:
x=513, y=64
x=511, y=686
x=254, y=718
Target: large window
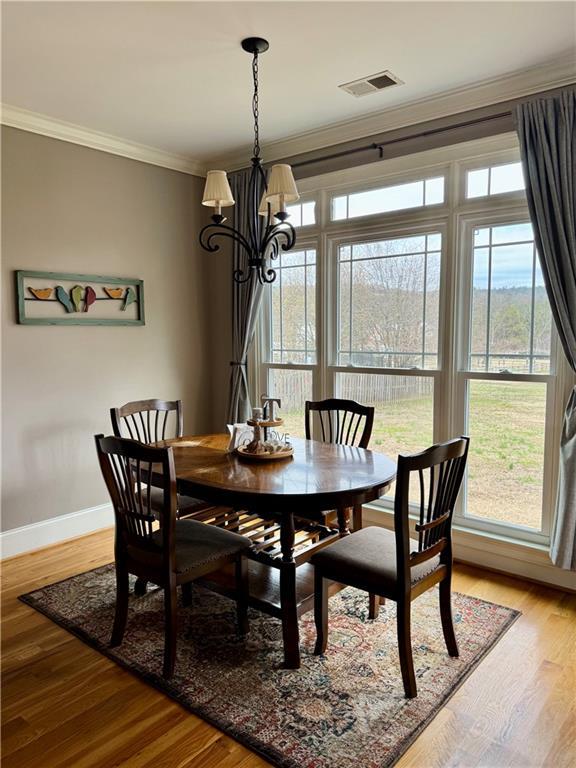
x=423, y=296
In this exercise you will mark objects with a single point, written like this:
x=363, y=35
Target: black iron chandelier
x=266, y=231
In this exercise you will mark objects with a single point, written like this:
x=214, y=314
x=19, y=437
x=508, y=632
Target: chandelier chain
x=255, y=110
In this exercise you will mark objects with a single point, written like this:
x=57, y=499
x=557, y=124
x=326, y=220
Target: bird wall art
x=81, y=299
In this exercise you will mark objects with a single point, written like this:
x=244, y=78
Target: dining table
x=282, y=506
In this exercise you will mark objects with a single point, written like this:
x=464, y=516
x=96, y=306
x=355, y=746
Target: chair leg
x=121, y=614
x=320, y=611
x=446, y=617
x=187, y=594
x=405, y=647
x=140, y=587
x=170, y=629
x=373, y=605
x=242, y=595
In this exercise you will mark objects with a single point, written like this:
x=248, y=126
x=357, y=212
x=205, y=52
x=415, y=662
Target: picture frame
x=62, y=298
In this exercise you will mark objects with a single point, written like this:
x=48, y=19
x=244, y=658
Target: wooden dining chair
x=168, y=552
x=345, y=422
x=150, y=421
x=341, y=421
x=390, y=563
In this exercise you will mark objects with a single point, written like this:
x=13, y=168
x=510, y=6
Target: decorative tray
x=265, y=423
x=284, y=454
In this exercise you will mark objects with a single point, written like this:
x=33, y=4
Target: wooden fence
x=294, y=387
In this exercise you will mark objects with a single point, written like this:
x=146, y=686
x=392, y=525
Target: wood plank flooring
x=65, y=705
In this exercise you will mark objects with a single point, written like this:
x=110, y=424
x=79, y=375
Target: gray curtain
x=546, y=129
x=246, y=302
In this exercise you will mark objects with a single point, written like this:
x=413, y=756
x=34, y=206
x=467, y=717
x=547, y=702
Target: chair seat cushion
x=186, y=504
x=198, y=544
x=367, y=559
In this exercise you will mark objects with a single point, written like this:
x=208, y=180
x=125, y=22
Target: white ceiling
x=172, y=75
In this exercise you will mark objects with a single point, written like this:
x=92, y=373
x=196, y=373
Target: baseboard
x=525, y=561
x=56, y=529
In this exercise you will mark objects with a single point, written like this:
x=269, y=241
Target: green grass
x=506, y=427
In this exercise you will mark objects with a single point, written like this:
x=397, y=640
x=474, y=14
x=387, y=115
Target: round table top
x=320, y=475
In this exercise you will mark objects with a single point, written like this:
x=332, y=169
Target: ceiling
x=172, y=75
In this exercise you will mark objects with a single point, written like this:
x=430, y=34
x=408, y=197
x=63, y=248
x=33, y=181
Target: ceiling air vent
x=371, y=84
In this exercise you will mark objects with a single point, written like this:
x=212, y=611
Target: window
x=293, y=309
x=388, y=302
x=293, y=387
x=494, y=180
x=506, y=424
x=506, y=374
x=290, y=335
x=397, y=197
x=511, y=320
x=302, y=214
x=436, y=316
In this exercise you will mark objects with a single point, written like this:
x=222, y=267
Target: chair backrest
x=128, y=468
x=341, y=421
x=438, y=472
x=148, y=421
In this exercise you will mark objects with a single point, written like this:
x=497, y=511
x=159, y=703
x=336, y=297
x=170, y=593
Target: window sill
x=498, y=553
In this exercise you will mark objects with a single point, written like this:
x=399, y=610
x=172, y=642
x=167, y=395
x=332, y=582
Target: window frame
x=302, y=201
x=475, y=164
x=510, y=214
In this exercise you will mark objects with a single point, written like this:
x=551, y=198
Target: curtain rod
x=381, y=144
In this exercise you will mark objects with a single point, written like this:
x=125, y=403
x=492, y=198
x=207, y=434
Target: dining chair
x=345, y=422
x=168, y=552
x=390, y=564
x=341, y=421
x=150, y=421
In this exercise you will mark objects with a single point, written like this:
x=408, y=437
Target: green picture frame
x=76, y=301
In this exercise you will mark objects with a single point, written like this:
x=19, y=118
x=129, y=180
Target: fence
x=293, y=387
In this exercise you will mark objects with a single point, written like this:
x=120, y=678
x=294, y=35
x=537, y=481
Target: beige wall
x=67, y=208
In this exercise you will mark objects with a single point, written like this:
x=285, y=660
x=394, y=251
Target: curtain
x=546, y=129
x=246, y=302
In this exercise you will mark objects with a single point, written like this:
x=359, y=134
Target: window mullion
x=424, y=294
x=532, y=308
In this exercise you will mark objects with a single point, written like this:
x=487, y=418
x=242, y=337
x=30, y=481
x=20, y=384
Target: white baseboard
x=56, y=529
x=525, y=561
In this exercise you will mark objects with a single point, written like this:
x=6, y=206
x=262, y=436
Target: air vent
x=371, y=84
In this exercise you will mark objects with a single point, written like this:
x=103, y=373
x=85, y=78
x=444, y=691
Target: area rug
x=342, y=710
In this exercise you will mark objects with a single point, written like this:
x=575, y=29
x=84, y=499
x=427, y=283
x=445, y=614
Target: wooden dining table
x=281, y=505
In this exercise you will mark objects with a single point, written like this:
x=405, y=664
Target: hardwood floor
x=64, y=704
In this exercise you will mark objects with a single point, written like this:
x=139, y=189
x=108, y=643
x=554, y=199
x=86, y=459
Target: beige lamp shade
x=217, y=192
x=281, y=186
x=263, y=209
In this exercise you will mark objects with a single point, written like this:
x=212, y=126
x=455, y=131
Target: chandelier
x=266, y=231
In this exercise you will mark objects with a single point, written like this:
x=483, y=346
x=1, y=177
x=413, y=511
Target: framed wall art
x=59, y=298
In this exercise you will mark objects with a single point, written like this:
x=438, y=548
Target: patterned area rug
x=344, y=710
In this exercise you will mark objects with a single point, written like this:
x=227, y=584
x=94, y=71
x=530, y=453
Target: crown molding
x=15, y=117
x=553, y=74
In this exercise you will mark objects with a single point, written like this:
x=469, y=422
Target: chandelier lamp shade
x=265, y=231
